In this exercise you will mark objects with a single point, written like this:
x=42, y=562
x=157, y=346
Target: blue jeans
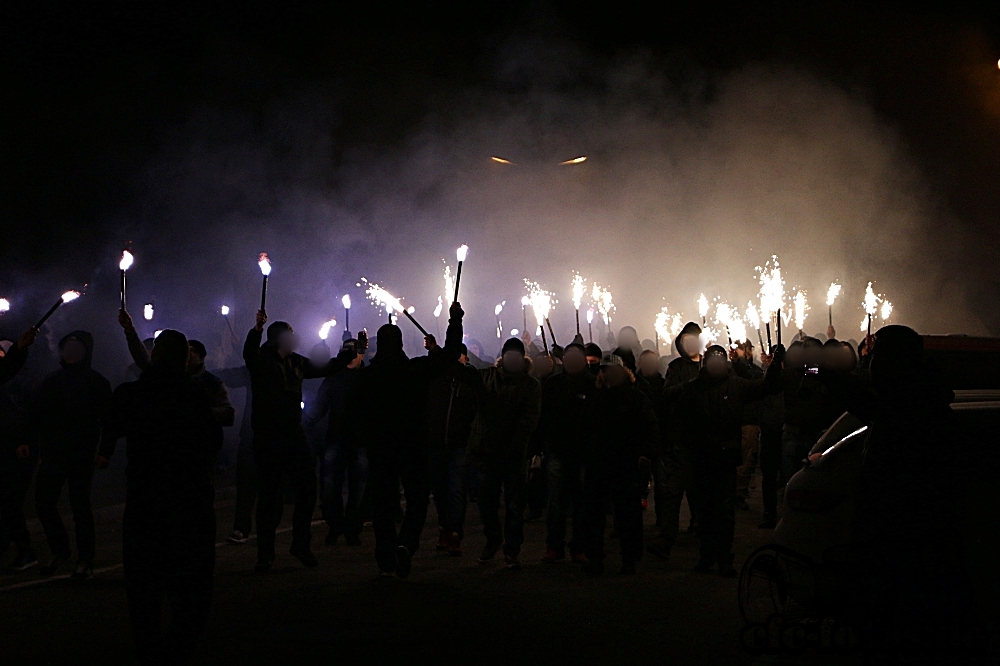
x=337, y=464
x=450, y=485
x=514, y=487
x=565, y=488
x=794, y=448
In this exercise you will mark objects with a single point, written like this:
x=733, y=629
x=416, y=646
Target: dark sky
x=95, y=94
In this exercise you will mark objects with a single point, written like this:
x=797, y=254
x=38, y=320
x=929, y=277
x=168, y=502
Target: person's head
x=850, y=361
x=627, y=357
x=627, y=337
x=688, y=343
x=574, y=359
x=355, y=363
x=463, y=354
x=648, y=363
x=475, y=347
x=897, y=357
x=512, y=356
x=794, y=357
x=319, y=355
x=196, y=356
x=716, y=362
x=812, y=352
x=170, y=351
x=833, y=355
x=613, y=373
x=594, y=354
x=543, y=366
x=281, y=335
x=389, y=339
x=76, y=348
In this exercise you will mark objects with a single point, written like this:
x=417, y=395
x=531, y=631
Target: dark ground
x=450, y=609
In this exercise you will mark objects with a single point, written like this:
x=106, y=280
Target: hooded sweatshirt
x=71, y=410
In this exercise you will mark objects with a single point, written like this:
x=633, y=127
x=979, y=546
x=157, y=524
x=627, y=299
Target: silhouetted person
x=246, y=471
x=16, y=463
x=69, y=415
x=168, y=528
x=622, y=438
x=501, y=434
x=280, y=446
x=214, y=387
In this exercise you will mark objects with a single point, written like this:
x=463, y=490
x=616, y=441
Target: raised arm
x=135, y=347
x=13, y=361
x=251, y=347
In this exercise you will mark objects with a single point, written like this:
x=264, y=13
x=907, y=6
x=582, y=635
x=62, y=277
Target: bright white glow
x=264, y=263
x=525, y=301
x=302, y=405
x=4, y=305
x=772, y=289
x=500, y=160
x=541, y=301
x=871, y=301
x=147, y=312
x=865, y=323
x=346, y=301
x=853, y=434
x=449, y=286
x=126, y=262
x=324, y=330
x=575, y=160
x=832, y=293
x=603, y=301
x=702, y=306
x=462, y=252
x=729, y=317
x=514, y=332
x=157, y=334
x=381, y=297
x=886, y=310
x=590, y=316
x=498, y=309
x=439, y=308
x=70, y=296
x=800, y=309
x=225, y=310
x=752, y=317
x=411, y=309
x=579, y=289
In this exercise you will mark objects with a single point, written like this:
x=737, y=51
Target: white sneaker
x=237, y=537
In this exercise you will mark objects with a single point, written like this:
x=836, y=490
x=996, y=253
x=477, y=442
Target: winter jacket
x=235, y=378
x=810, y=408
x=276, y=383
x=218, y=397
x=12, y=362
x=331, y=402
x=452, y=397
x=564, y=426
x=172, y=440
x=749, y=370
x=508, y=415
x=623, y=427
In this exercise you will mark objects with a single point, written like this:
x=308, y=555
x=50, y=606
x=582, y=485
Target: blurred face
x=574, y=362
x=691, y=345
x=813, y=355
x=287, y=342
x=716, y=365
x=647, y=364
x=73, y=352
x=475, y=350
x=614, y=375
x=513, y=362
x=543, y=366
x=627, y=337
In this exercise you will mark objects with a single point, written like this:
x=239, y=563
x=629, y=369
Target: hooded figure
x=69, y=416
x=17, y=466
x=392, y=407
x=168, y=528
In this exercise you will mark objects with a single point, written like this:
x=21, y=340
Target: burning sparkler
x=579, y=287
x=449, y=285
x=729, y=317
x=345, y=300
x=147, y=312
x=265, y=269
x=379, y=296
x=575, y=160
x=772, y=296
x=225, y=310
x=886, y=310
x=225, y=315
x=703, y=309
x=541, y=304
x=460, y=253
x=753, y=318
x=496, y=311
x=590, y=325
x=324, y=330
x=603, y=301
x=831, y=296
x=4, y=305
x=124, y=265
x=525, y=302
x=68, y=297
x=667, y=326
x=800, y=311
x=871, y=307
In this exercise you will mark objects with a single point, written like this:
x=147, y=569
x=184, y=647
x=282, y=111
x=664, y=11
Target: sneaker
x=455, y=545
x=262, y=567
x=442, y=540
x=511, y=562
x=352, y=540
x=769, y=522
x=52, y=566
x=552, y=555
x=331, y=538
x=727, y=571
x=305, y=556
x=490, y=551
x=237, y=537
x=628, y=568
x=703, y=566
x=403, y=562
x=593, y=568
x=578, y=558
x=83, y=572
x=659, y=548
x=24, y=560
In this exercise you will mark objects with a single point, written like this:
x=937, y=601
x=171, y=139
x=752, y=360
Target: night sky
x=114, y=112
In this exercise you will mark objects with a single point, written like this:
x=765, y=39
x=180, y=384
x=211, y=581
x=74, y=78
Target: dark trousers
x=168, y=556
x=340, y=463
x=537, y=492
x=246, y=486
x=770, y=467
x=714, y=486
x=53, y=473
x=450, y=484
x=15, y=478
x=514, y=488
x=677, y=469
x=566, y=483
x=622, y=490
x=392, y=465
x=273, y=462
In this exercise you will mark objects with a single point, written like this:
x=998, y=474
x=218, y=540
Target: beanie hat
x=513, y=344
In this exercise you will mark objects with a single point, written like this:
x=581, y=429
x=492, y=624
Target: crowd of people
x=574, y=433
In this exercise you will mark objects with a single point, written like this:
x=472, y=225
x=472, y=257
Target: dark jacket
x=277, y=390
x=12, y=362
x=218, y=397
x=564, y=426
x=235, y=378
x=508, y=415
x=810, y=408
x=623, y=427
x=332, y=402
x=683, y=368
x=70, y=411
x=172, y=440
x=452, y=398
x=710, y=413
